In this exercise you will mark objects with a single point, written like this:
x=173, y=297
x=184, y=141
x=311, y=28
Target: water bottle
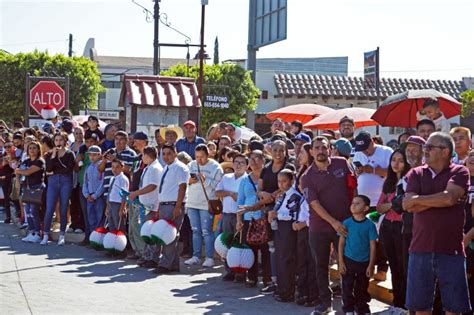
x=274, y=225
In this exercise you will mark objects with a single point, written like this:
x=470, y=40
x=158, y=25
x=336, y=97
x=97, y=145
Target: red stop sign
x=47, y=93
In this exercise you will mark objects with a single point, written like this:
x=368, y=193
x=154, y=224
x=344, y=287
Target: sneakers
x=208, y=262
x=45, y=240
x=321, y=309
x=192, y=261
x=7, y=221
x=27, y=239
x=61, y=240
x=270, y=288
x=69, y=230
x=78, y=231
x=35, y=238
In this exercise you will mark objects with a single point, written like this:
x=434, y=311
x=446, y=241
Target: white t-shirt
x=230, y=183
x=177, y=173
x=370, y=185
x=151, y=176
x=119, y=182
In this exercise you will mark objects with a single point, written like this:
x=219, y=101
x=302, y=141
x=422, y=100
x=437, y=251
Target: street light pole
x=201, y=49
x=156, y=48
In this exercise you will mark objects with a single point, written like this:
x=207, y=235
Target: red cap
x=190, y=122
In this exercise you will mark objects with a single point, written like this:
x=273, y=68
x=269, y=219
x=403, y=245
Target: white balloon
x=163, y=233
x=240, y=259
x=145, y=231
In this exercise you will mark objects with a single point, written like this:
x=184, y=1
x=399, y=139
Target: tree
x=467, y=100
x=216, y=51
x=226, y=79
x=83, y=74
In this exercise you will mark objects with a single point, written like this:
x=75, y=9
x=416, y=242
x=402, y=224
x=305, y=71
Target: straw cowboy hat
x=227, y=165
x=174, y=128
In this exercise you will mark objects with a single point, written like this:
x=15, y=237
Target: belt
x=169, y=203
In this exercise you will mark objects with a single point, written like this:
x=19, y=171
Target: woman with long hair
x=60, y=162
x=391, y=228
x=32, y=170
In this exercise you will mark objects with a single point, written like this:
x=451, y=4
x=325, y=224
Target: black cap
x=363, y=141
x=346, y=119
x=140, y=135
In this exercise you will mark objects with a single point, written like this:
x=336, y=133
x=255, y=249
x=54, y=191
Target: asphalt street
x=73, y=279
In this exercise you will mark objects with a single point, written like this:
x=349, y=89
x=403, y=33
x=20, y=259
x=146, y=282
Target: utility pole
x=156, y=47
x=70, y=46
x=201, y=49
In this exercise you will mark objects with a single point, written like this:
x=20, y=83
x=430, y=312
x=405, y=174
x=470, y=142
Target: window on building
x=396, y=130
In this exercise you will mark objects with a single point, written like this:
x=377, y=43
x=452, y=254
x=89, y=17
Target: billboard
x=370, y=69
x=270, y=18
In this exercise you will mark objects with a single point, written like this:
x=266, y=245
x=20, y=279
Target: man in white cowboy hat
x=171, y=134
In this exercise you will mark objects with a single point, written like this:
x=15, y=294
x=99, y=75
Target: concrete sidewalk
x=73, y=279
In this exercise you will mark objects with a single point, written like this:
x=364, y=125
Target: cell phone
x=193, y=175
x=357, y=164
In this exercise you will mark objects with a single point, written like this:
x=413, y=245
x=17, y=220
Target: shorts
x=450, y=271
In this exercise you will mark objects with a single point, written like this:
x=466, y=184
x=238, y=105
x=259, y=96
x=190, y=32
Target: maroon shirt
x=438, y=230
x=330, y=189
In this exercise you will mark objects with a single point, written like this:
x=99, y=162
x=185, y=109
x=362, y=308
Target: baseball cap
x=363, y=141
x=343, y=146
x=94, y=149
x=302, y=137
x=140, y=135
x=416, y=140
x=329, y=134
x=346, y=119
x=190, y=122
x=47, y=127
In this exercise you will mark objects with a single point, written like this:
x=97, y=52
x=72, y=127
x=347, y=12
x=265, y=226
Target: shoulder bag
x=259, y=231
x=32, y=196
x=214, y=206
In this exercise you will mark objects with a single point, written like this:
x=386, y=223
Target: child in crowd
x=93, y=124
x=115, y=210
x=93, y=188
x=286, y=212
x=306, y=286
x=357, y=257
x=432, y=111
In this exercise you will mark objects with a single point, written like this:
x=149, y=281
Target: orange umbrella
x=301, y=112
x=360, y=115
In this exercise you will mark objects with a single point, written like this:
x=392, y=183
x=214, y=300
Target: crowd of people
x=303, y=202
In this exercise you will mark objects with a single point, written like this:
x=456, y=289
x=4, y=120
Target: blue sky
x=417, y=38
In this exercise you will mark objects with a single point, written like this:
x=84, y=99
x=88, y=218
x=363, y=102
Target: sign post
x=267, y=25
x=47, y=92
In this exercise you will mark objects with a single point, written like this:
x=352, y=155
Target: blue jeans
x=83, y=202
x=201, y=225
x=95, y=212
x=450, y=271
x=59, y=187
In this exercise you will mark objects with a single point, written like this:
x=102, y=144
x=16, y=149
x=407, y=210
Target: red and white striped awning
x=159, y=91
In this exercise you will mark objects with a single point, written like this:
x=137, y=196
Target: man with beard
x=326, y=190
x=347, y=129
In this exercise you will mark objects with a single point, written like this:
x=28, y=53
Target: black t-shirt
x=89, y=133
x=36, y=178
x=270, y=179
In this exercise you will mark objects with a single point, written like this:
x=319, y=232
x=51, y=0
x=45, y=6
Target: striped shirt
x=127, y=156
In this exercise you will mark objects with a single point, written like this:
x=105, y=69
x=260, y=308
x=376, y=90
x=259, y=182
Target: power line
x=31, y=43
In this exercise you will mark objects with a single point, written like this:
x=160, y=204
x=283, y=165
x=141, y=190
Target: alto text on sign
x=47, y=93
